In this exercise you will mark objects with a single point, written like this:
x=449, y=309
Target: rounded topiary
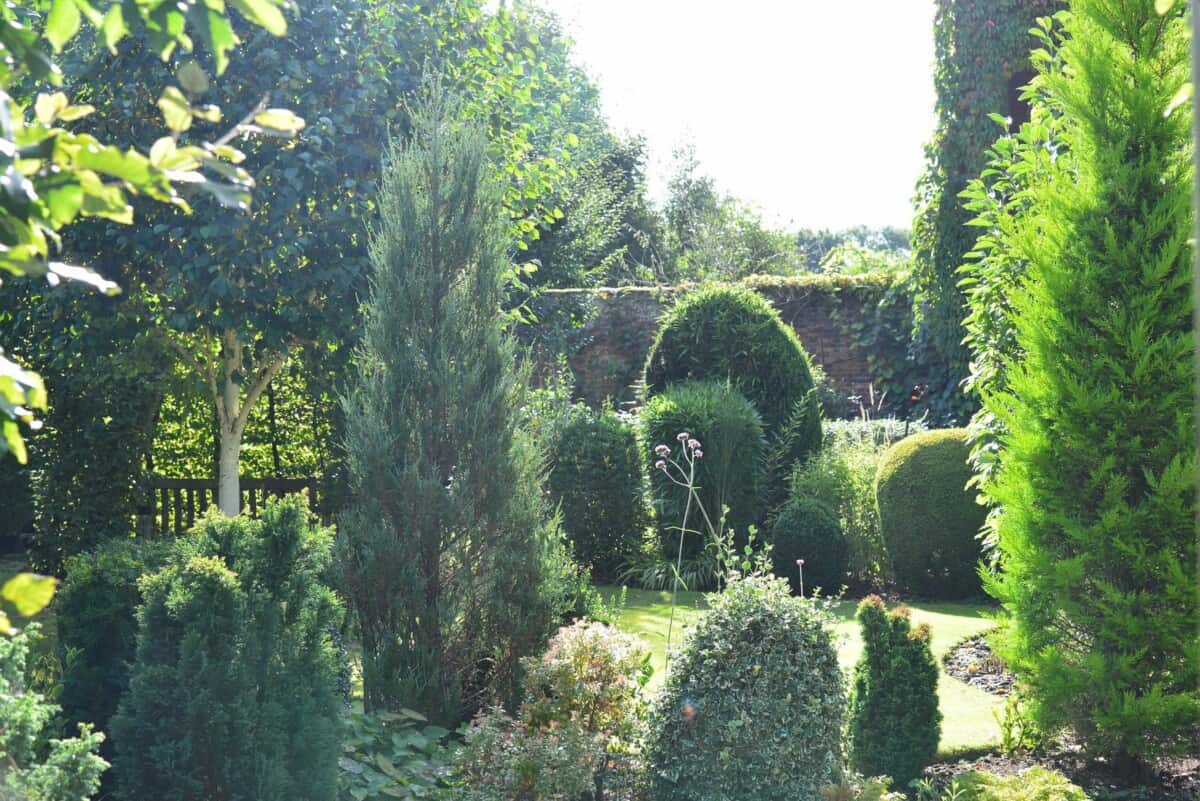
x=730, y=473
x=598, y=482
x=752, y=706
x=894, y=719
x=726, y=333
x=928, y=517
x=807, y=529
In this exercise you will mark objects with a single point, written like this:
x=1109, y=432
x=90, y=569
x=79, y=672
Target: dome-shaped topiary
x=726, y=333
x=730, y=472
x=807, y=529
x=928, y=517
x=753, y=704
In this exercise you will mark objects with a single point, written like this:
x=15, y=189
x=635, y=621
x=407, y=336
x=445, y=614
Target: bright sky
x=816, y=112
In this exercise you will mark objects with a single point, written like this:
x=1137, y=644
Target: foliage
x=234, y=658
x=752, y=706
x=880, y=431
x=447, y=550
x=393, y=755
x=1034, y=784
x=816, y=245
x=726, y=333
x=1097, y=475
x=37, y=766
x=894, y=719
x=597, y=480
x=858, y=788
x=982, y=57
x=504, y=759
x=807, y=530
x=729, y=476
x=930, y=521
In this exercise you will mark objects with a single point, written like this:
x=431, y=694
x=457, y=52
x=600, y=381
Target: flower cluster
x=690, y=452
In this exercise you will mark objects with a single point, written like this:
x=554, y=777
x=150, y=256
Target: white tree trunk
x=229, y=489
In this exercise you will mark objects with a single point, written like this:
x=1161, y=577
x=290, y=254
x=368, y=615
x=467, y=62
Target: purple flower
x=683, y=436
x=694, y=444
x=800, y=562
x=660, y=464
x=662, y=450
x=699, y=454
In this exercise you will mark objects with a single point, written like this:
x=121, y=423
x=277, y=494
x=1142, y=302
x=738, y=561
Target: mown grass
x=968, y=721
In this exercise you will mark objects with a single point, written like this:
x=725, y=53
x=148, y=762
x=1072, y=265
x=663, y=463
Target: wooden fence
x=179, y=502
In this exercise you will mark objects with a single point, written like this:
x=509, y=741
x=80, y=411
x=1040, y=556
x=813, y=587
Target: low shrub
x=233, y=692
x=598, y=480
x=1035, y=784
x=37, y=765
x=752, y=706
x=726, y=333
x=807, y=529
x=928, y=517
x=388, y=755
x=894, y=719
x=730, y=472
x=505, y=759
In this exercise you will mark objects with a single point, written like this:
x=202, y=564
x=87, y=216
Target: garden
x=371, y=430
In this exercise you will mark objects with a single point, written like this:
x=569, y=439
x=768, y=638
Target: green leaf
x=263, y=13
x=28, y=592
x=192, y=78
x=62, y=23
x=113, y=27
x=279, y=122
x=1163, y=6
x=176, y=110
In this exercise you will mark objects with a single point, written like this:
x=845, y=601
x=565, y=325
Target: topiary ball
x=807, y=529
x=726, y=333
x=729, y=474
x=928, y=517
x=598, y=482
x=752, y=706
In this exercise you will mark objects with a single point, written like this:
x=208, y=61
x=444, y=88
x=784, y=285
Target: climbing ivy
x=982, y=59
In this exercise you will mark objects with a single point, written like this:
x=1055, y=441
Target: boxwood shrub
x=752, y=706
x=728, y=333
x=597, y=479
x=928, y=517
x=730, y=472
x=808, y=529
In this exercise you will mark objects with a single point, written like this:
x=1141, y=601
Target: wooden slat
x=177, y=511
x=165, y=505
x=253, y=502
x=191, y=507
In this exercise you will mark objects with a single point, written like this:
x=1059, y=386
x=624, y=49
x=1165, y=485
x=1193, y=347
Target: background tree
x=444, y=551
x=1096, y=481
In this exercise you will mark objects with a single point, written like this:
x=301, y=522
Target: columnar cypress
x=445, y=551
x=1097, y=481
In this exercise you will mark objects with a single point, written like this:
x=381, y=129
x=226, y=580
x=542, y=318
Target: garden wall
x=858, y=328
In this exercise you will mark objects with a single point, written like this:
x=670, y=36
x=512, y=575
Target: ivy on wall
x=982, y=61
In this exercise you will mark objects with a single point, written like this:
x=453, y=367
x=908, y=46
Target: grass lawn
x=967, y=723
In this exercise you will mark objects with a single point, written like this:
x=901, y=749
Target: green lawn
x=968, y=723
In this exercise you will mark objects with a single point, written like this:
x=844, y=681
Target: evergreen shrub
x=894, y=719
x=233, y=692
x=753, y=704
x=1035, y=784
x=807, y=529
x=928, y=517
x=730, y=473
x=598, y=480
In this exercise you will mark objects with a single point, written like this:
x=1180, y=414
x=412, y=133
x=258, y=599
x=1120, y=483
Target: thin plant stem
x=679, y=558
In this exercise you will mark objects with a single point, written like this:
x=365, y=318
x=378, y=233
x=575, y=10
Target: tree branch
x=258, y=385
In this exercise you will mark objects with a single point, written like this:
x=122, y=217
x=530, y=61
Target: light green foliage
x=389, y=755
x=894, y=718
x=447, y=552
x=36, y=767
x=858, y=788
x=234, y=660
x=808, y=529
x=1097, y=474
x=753, y=703
x=728, y=476
x=928, y=517
x=1035, y=784
x=726, y=333
x=597, y=479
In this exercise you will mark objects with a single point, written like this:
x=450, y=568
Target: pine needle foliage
x=1097, y=480
x=447, y=552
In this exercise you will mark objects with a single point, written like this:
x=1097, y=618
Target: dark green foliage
x=894, y=719
x=929, y=518
x=447, y=551
x=729, y=475
x=95, y=609
x=16, y=504
x=752, y=706
x=598, y=481
x=233, y=691
x=727, y=333
x=1097, y=476
x=391, y=755
x=982, y=57
x=808, y=529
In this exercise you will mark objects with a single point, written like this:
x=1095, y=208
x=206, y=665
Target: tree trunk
x=229, y=490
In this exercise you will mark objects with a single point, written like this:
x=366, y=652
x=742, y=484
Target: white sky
x=815, y=111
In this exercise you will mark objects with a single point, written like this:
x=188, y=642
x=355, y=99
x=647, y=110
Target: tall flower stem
x=687, y=509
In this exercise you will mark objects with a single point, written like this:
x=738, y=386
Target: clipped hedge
x=730, y=473
x=752, y=707
x=808, y=529
x=928, y=517
x=598, y=482
x=730, y=333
